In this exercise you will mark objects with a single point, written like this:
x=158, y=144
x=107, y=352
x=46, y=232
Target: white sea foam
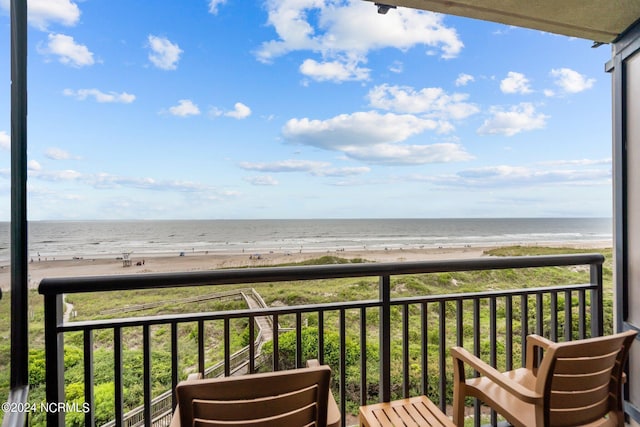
x=67, y=239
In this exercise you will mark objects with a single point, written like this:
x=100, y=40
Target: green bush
x=36, y=367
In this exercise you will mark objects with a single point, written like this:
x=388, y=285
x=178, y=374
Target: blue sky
x=214, y=109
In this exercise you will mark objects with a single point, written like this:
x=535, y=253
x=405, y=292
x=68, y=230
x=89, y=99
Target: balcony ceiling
x=598, y=20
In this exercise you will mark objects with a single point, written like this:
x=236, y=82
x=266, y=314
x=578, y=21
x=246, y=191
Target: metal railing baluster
x=321, y=336
x=227, y=348
x=201, y=353
x=508, y=345
x=568, y=316
x=385, y=338
x=89, y=416
x=553, y=316
x=276, y=340
x=174, y=363
x=582, y=309
x=252, y=347
x=405, y=351
x=524, y=326
x=476, y=351
x=299, y=361
x=343, y=364
x=117, y=373
x=424, y=346
x=539, y=314
x=442, y=331
x=493, y=338
x=146, y=373
x=363, y=357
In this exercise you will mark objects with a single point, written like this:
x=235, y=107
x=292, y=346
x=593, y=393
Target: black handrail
x=57, y=286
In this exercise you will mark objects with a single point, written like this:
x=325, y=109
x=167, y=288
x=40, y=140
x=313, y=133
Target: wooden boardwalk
x=264, y=323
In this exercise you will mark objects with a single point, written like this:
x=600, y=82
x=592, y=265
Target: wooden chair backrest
x=581, y=380
x=293, y=397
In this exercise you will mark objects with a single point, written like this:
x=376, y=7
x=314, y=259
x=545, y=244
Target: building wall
x=632, y=101
x=625, y=67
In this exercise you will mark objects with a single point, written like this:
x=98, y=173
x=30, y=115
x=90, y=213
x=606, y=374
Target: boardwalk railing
x=475, y=320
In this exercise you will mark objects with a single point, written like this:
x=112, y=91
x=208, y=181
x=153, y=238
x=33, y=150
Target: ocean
x=98, y=239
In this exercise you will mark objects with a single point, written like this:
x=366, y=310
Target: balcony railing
x=562, y=313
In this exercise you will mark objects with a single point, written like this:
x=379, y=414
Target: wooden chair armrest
x=533, y=343
x=539, y=341
x=517, y=390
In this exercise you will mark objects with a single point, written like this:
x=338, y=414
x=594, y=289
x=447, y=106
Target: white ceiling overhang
x=602, y=21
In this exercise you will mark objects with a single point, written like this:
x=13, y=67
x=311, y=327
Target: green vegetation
x=96, y=306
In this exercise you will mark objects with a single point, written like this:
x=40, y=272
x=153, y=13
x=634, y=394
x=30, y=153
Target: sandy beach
x=200, y=261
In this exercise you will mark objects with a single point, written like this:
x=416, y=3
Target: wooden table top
x=413, y=412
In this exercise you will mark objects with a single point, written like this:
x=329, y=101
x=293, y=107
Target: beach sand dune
x=196, y=261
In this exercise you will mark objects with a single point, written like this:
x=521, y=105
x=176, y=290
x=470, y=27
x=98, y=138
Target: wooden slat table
x=412, y=412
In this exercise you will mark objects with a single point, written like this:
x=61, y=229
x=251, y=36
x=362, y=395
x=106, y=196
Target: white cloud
x=346, y=32
x=520, y=176
x=261, y=180
x=397, y=67
x=104, y=180
x=433, y=102
x=336, y=71
x=373, y=137
x=185, y=108
x=34, y=165
x=68, y=51
x=311, y=167
x=5, y=140
x=403, y=154
x=99, y=96
x=41, y=13
x=515, y=83
x=578, y=162
x=240, y=111
x=57, y=154
x=284, y=166
x=62, y=175
x=341, y=172
x=214, y=5
x=570, y=81
x=357, y=129
x=164, y=54
x=464, y=79
x=519, y=118
x=358, y=27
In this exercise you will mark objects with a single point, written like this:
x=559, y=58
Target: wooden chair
x=296, y=397
x=576, y=383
